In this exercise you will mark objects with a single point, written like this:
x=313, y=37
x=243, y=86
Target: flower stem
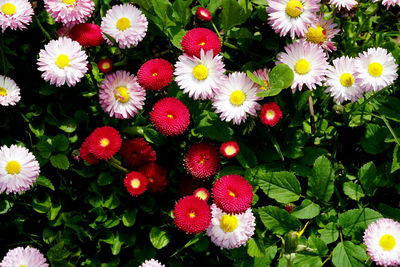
x=312, y=118
x=117, y=164
x=42, y=28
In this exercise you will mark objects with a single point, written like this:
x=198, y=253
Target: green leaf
x=330, y=233
x=279, y=221
x=320, y=183
x=307, y=210
x=281, y=186
x=212, y=127
x=270, y=253
x=68, y=125
x=357, y=220
x=163, y=10
x=60, y=161
x=60, y=142
x=367, y=175
x=255, y=248
x=320, y=247
x=181, y=11
x=373, y=140
x=389, y=212
x=43, y=181
x=129, y=217
x=347, y=254
x=396, y=159
x=232, y=14
x=280, y=77
x=302, y=260
x=246, y=156
x=353, y=191
x=105, y=178
x=159, y=238
x=5, y=206
x=153, y=136
x=45, y=149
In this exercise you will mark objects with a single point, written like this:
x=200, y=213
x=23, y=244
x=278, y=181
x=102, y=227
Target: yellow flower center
x=202, y=195
x=3, y=91
x=202, y=43
x=62, y=61
x=264, y=85
x=346, y=79
x=154, y=74
x=192, y=215
x=270, y=114
x=22, y=266
x=13, y=167
x=200, y=72
x=229, y=223
x=122, y=94
x=230, y=150
x=316, y=35
x=8, y=9
x=106, y=65
x=69, y=2
x=375, y=69
x=232, y=194
x=387, y=242
x=237, y=97
x=170, y=116
x=123, y=24
x=135, y=183
x=294, y=8
x=104, y=142
x=302, y=66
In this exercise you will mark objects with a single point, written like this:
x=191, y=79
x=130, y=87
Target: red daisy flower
x=270, y=114
x=87, y=34
x=85, y=154
x=170, y=116
x=203, y=14
x=156, y=175
x=202, y=160
x=135, y=183
x=192, y=215
x=202, y=193
x=104, y=142
x=232, y=193
x=229, y=149
x=200, y=38
x=105, y=65
x=136, y=152
x=155, y=74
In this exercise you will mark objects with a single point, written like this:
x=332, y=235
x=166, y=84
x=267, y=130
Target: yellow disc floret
x=192, y=215
x=316, y=35
x=8, y=9
x=270, y=114
x=123, y=24
x=3, y=91
x=122, y=94
x=62, y=61
x=302, y=66
x=13, y=167
x=135, y=183
x=229, y=223
x=69, y=2
x=294, y=8
x=104, y=142
x=237, y=97
x=387, y=242
x=346, y=79
x=200, y=72
x=230, y=150
x=375, y=69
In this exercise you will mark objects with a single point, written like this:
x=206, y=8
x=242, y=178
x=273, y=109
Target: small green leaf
x=280, y=77
x=353, y=191
x=232, y=14
x=270, y=253
x=43, y=181
x=281, y=186
x=129, y=217
x=68, y=125
x=45, y=149
x=255, y=248
x=60, y=161
x=159, y=238
x=279, y=221
x=373, y=141
x=321, y=181
x=246, y=156
x=396, y=159
x=105, y=178
x=212, y=127
x=347, y=254
x=357, y=220
x=5, y=206
x=307, y=210
x=302, y=260
x=330, y=233
x=367, y=175
x=60, y=142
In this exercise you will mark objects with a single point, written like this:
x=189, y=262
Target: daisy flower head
x=321, y=32
x=126, y=24
x=232, y=193
x=270, y=114
x=152, y=263
x=136, y=183
x=346, y=4
x=9, y=91
x=62, y=61
x=104, y=142
x=341, y=80
x=382, y=239
x=155, y=74
x=229, y=149
x=120, y=95
x=19, y=169
x=203, y=14
x=263, y=76
x=292, y=16
x=202, y=193
x=87, y=34
x=156, y=176
x=388, y=3
x=69, y=11
x=376, y=68
x=201, y=160
x=85, y=154
x=192, y=215
x=236, y=98
x=15, y=14
x=308, y=62
x=229, y=231
x=105, y=65
x=199, y=39
x=170, y=116
x=136, y=152
x=200, y=76
x=21, y=256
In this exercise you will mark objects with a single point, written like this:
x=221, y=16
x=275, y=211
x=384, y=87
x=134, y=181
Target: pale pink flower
x=29, y=257
x=69, y=11
x=15, y=14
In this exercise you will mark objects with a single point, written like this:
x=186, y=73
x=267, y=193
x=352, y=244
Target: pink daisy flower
x=292, y=16
x=9, y=91
x=152, y=263
x=321, y=32
x=69, y=11
x=202, y=160
x=263, y=77
x=347, y=4
x=24, y=257
x=388, y=3
x=15, y=14
x=120, y=95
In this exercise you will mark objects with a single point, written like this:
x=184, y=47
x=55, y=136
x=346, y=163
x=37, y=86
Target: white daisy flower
x=62, y=61
x=20, y=257
x=341, y=80
x=126, y=24
x=69, y=11
x=9, y=91
x=347, y=4
x=18, y=169
x=321, y=32
x=15, y=14
x=236, y=98
x=152, y=263
x=230, y=230
x=199, y=77
x=308, y=62
x=376, y=68
x=382, y=239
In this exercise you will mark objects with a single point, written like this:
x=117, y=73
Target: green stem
x=390, y=129
x=3, y=59
x=327, y=259
x=312, y=118
x=231, y=46
x=216, y=30
x=117, y=164
x=42, y=28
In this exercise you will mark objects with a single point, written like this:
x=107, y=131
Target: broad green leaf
x=105, y=178
x=212, y=127
x=281, y=186
x=60, y=142
x=41, y=205
x=129, y=217
x=357, y=220
x=159, y=238
x=181, y=11
x=246, y=156
x=260, y=2
x=307, y=210
x=389, y=212
x=232, y=14
x=68, y=125
x=373, y=140
x=330, y=233
x=153, y=136
x=43, y=181
x=5, y=206
x=321, y=181
x=367, y=175
x=45, y=149
x=320, y=247
x=60, y=161
x=396, y=159
x=279, y=221
x=270, y=253
x=302, y=260
x=163, y=10
x=214, y=5
x=347, y=254
x=353, y=191
x=280, y=77
x=255, y=248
